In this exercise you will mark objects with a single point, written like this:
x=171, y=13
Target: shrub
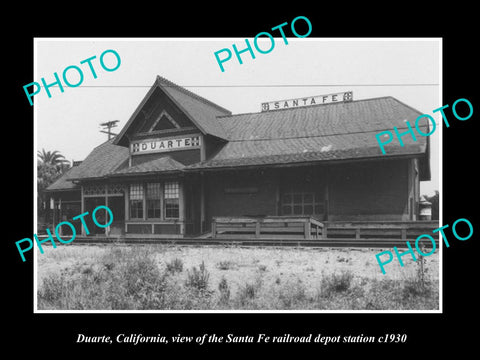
x=224, y=290
x=246, y=294
x=336, y=283
x=176, y=265
x=414, y=288
x=262, y=268
x=198, y=279
x=144, y=282
x=292, y=294
x=224, y=265
x=53, y=288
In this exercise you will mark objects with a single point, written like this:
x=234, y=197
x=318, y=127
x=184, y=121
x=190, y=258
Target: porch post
x=202, y=203
x=107, y=229
x=82, y=205
x=327, y=201
x=127, y=198
x=181, y=206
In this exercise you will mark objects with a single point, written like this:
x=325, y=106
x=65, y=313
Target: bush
x=248, y=295
x=198, y=279
x=336, y=283
x=52, y=288
x=292, y=294
x=224, y=291
x=224, y=265
x=176, y=265
x=262, y=267
x=245, y=295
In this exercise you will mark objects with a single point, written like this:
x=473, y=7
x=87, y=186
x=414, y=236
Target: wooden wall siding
x=377, y=190
x=185, y=157
x=255, y=194
x=369, y=191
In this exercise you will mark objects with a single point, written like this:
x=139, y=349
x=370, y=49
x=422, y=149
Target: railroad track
x=334, y=242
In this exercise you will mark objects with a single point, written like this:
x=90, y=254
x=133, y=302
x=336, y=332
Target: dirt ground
x=241, y=265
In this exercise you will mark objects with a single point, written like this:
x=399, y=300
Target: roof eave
x=301, y=163
x=62, y=190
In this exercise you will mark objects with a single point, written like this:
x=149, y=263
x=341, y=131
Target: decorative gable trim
x=167, y=115
x=205, y=128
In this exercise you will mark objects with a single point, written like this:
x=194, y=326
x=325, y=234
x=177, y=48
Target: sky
x=407, y=69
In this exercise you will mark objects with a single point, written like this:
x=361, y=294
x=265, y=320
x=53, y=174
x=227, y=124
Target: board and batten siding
x=376, y=190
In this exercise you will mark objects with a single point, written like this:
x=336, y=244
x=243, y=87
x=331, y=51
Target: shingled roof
x=163, y=164
x=101, y=162
x=62, y=184
x=335, y=131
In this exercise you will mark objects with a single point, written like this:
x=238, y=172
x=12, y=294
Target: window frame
x=168, y=198
x=316, y=201
x=149, y=198
x=139, y=191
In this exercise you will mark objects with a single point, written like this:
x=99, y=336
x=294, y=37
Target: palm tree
x=53, y=158
x=50, y=166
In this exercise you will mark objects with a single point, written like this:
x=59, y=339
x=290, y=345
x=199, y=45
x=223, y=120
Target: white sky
x=69, y=121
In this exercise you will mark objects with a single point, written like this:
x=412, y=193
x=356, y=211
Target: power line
x=258, y=85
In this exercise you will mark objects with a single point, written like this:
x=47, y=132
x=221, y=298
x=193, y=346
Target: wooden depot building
x=181, y=161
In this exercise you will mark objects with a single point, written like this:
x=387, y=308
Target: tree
x=53, y=158
x=50, y=166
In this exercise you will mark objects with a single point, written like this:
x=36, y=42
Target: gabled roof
x=62, y=183
x=200, y=111
x=102, y=161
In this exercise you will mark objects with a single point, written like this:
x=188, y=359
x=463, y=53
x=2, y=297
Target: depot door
x=90, y=204
x=117, y=205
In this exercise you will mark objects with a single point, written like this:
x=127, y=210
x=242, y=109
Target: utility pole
x=107, y=127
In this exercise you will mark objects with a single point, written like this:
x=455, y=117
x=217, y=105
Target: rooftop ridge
x=161, y=81
x=312, y=106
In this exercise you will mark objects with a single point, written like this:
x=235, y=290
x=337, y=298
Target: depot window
x=136, y=201
x=154, y=200
x=301, y=203
x=171, y=194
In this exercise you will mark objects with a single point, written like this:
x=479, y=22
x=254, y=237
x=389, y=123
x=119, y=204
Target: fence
x=278, y=227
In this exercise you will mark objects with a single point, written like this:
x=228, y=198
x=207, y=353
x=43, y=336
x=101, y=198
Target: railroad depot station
x=184, y=167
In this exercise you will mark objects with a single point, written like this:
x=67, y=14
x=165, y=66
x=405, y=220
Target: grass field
x=160, y=277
